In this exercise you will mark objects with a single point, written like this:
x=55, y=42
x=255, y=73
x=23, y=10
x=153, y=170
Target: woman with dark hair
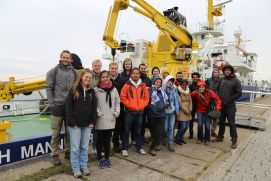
x=184, y=115
x=108, y=110
x=155, y=71
x=81, y=115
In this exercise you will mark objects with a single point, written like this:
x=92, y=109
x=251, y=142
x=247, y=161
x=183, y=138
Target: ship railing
x=253, y=120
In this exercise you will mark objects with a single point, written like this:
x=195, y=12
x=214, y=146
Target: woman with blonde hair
x=81, y=115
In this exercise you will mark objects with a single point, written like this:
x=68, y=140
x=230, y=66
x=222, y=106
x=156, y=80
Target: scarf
x=107, y=88
x=134, y=83
x=155, y=98
x=170, y=91
x=187, y=91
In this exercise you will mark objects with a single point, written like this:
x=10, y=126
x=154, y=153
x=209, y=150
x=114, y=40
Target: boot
x=117, y=148
x=151, y=152
x=217, y=139
x=234, y=145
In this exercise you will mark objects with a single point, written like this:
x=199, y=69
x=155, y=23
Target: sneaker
x=142, y=152
x=182, y=141
x=207, y=142
x=77, y=173
x=107, y=163
x=171, y=147
x=234, y=145
x=151, y=152
x=178, y=142
x=124, y=153
x=101, y=164
x=217, y=139
x=67, y=155
x=85, y=172
x=55, y=160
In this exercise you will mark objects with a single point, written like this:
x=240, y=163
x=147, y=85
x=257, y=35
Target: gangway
x=250, y=119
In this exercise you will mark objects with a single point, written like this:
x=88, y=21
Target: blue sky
x=33, y=32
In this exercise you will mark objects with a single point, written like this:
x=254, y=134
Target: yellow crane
x=174, y=45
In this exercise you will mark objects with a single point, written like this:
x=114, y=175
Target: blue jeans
x=169, y=126
x=183, y=126
x=79, y=138
x=203, y=118
x=136, y=121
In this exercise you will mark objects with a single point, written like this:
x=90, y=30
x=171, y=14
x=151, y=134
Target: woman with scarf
x=172, y=109
x=184, y=115
x=204, y=97
x=157, y=113
x=214, y=83
x=108, y=110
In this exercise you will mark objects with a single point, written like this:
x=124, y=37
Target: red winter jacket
x=203, y=104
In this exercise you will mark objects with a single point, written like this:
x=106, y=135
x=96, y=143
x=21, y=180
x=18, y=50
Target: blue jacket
x=157, y=109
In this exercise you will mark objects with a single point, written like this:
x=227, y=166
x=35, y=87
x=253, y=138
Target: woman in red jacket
x=204, y=97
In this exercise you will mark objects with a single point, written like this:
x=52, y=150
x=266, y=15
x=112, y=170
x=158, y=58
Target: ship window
x=6, y=107
x=225, y=51
x=202, y=37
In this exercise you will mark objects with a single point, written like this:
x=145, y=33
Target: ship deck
x=26, y=126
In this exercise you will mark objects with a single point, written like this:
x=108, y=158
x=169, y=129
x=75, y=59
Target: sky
x=34, y=32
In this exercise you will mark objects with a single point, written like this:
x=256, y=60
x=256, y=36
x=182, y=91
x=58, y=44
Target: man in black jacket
x=118, y=83
x=192, y=87
x=229, y=91
x=143, y=76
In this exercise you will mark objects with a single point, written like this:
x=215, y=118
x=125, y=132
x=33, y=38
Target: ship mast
x=214, y=10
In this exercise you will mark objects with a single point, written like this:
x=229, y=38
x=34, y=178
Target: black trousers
x=191, y=123
x=119, y=126
x=229, y=114
x=103, y=142
x=156, y=129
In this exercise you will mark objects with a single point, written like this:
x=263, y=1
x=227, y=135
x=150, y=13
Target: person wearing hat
x=203, y=97
x=156, y=114
x=164, y=72
x=172, y=109
x=213, y=83
x=229, y=91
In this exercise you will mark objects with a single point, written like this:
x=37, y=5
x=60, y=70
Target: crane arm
x=11, y=88
x=178, y=34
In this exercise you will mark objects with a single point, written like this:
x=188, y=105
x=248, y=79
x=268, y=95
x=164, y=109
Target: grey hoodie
x=58, y=84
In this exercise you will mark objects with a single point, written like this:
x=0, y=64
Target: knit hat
x=164, y=70
x=201, y=82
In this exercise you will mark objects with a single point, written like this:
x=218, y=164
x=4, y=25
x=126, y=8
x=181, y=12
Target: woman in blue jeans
x=184, y=115
x=172, y=109
x=203, y=98
x=81, y=115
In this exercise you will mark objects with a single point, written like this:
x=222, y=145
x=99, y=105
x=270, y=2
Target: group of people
x=113, y=105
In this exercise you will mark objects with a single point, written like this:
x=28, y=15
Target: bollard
x=4, y=125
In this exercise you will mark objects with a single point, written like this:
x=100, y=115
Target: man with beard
x=143, y=76
x=192, y=87
x=127, y=67
x=229, y=91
